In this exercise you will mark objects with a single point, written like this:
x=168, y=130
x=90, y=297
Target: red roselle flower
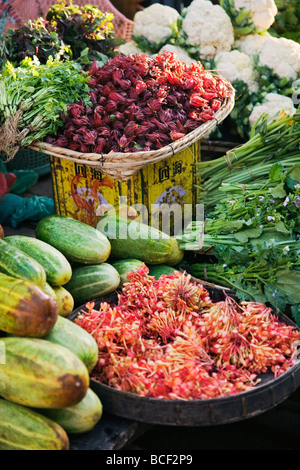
x=197, y=100
x=176, y=135
x=149, y=101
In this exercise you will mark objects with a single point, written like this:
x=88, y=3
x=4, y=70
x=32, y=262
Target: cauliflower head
x=272, y=105
x=130, y=48
x=180, y=53
x=251, y=43
x=282, y=56
x=155, y=23
x=208, y=27
x=263, y=12
x=236, y=65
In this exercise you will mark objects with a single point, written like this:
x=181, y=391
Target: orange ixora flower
x=167, y=339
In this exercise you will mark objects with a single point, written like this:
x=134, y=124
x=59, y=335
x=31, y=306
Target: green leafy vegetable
x=253, y=235
x=33, y=98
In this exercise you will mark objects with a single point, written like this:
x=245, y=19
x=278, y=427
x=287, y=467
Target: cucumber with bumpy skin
x=25, y=308
x=41, y=374
x=64, y=300
x=73, y=337
x=57, y=267
x=16, y=263
x=79, y=418
x=90, y=282
x=160, y=269
x=124, y=266
x=177, y=254
x=77, y=241
x=24, y=429
x=130, y=238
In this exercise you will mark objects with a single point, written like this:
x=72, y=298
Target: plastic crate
x=27, y=159
x=33, y=9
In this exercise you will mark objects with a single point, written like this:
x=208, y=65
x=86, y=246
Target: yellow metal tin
x=80, y=190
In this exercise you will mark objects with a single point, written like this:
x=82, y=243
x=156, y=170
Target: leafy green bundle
x=270, y=142
x=34, y=97
x=254, y=235
x=251, y=235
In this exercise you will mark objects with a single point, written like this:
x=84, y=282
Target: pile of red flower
x=167, y=339
x=140, y=104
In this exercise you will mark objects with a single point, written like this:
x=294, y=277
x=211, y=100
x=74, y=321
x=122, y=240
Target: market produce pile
x=41, y=350
x=235, y=38
x=141, y=104
x=251, y=198
x=66, y=81
x=165, y=338
x=33, y=98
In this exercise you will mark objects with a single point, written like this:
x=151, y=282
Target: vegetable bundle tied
x=252, y=226
x=33, y=98
x=270, y=142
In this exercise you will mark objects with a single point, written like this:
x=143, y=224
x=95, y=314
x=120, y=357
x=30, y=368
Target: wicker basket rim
x=143, y=157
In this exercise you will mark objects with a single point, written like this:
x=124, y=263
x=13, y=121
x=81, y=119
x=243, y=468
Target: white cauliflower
x=251, y=43
x=130, y=48
x=263, y=12
x=282, y=56
x=180, y=53
x=155, y=23
x=272, y=105
x=208, y=27
x=236, y=65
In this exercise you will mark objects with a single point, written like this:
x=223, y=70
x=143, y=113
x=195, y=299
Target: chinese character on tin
x=177, y=168
x=96, y=174
x=164, y=173
x=80, y=169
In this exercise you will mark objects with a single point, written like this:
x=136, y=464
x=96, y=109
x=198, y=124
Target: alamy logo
x=175, y=219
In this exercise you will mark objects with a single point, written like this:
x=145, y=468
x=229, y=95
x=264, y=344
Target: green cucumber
x=130, y=237
x=76, y=339
x=16, y=263
x=177, y=254
x=57, y=267
x=160, y=269
x=49, y=290
x=90, y=282
x=40, y=374
x=124, y=266
x=64, y=300
x=22, y=428
x=77, y=241
x=79, y=418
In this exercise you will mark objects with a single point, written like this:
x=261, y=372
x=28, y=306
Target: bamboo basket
x=122, y=166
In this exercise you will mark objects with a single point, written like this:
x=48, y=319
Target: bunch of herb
x=269, y=142
x=34, y=97
x=253, y=235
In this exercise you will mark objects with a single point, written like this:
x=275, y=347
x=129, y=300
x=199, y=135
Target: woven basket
x=27, y=10
x=121, y=166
